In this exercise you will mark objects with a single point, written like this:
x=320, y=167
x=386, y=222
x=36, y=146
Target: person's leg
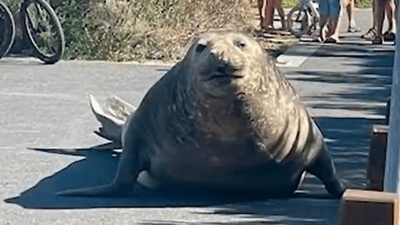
x=346, y=4
x=391, y=17
x=350, y=14
x=335, y=12
x=269, y=13
x=334, y=28
x=278, y=7
x=260, y=4
x=324, y=14
x=372, y=31
x=379, y=16
x=390, y=14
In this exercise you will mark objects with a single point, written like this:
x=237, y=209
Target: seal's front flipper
x=324, y=169
x=111, y=127
x=130, y=165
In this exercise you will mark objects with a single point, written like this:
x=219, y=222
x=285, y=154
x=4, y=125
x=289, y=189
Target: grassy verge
x=126, y=30
x=123, y=30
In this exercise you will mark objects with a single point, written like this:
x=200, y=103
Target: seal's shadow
x=99, y=166
x=96, y=168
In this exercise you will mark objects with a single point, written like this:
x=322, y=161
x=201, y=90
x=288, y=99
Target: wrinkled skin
x=224, y=118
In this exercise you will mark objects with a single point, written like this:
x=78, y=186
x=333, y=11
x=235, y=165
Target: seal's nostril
x=221, y=69
x=200, y=48
x=201, y=45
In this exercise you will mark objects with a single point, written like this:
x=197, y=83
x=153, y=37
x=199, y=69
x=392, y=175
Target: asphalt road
x=44, y=114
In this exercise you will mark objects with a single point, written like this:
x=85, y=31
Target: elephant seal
x=222, y=119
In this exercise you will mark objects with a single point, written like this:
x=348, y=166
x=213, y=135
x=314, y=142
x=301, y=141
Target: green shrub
x=14, y=5
x=362, y=3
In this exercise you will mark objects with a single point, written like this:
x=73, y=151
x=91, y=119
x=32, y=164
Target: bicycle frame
x=310, y=4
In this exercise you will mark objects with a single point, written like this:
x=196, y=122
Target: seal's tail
x=111, y=126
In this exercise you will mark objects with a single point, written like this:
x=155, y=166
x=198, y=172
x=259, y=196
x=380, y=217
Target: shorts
x=381, y=1
x=332, y=8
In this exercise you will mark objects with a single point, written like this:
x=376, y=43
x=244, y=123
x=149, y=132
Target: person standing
x=330, y=13
x=266, y=22
x=380, y=6
x=389, y=34
x=352, y=27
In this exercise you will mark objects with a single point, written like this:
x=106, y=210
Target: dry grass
x=123, y=30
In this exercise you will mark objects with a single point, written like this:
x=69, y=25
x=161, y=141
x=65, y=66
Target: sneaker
x=389, y=36
x=370, y=34
x=377, y=41
x=353, y=29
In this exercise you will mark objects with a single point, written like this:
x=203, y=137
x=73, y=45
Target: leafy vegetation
x=124, y=30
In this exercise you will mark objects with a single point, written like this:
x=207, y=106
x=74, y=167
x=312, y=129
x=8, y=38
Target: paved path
x=46, y=107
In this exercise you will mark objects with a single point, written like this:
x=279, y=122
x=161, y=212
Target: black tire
x=32, y=35
x=7, y=29
x=300, y=17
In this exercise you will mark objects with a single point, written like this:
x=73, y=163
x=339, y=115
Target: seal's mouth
x=225, y=73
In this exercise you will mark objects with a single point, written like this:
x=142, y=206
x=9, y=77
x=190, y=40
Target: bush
x=122, y=30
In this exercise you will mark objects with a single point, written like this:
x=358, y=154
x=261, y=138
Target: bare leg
x=390, y=14
x=335, y=11
x=372, y=31
x=260, y=4
x=278, y=7
x=350, y=14
x=334, y=28
x=373, y=14
x=323, y=24
x=269, y=12
x=379, y=16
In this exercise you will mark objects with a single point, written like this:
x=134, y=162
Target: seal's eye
x=240, y=43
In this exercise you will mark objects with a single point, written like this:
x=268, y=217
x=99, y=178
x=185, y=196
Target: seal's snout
x=222, y=59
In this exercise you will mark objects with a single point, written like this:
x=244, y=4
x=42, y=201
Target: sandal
x=389, y=36
x=318, y=40
x=370, y=34
x=331, y=40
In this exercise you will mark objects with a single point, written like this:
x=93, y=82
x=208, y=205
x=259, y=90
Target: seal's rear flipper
x=119, y=108
x=111, y=127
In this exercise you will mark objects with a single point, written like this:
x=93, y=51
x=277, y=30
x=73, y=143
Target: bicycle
x=303, y=18
x=40, y=26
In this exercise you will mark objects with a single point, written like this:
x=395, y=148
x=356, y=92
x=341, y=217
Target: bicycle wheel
x=43, y=30
x=7, y=29
x=298, y=21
